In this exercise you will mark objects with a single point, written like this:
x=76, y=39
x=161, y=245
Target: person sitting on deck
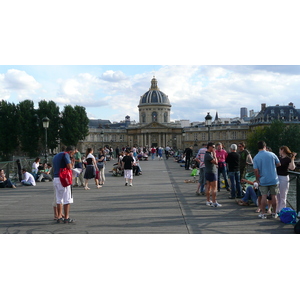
x=252, y=194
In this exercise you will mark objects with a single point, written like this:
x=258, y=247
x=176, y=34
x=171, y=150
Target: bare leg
x=274, y=203
x=263, y=203
x=207, y=187
x=59, y=211
x=214, y=186
x=66, y=210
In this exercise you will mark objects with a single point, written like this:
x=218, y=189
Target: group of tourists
x=269, y=188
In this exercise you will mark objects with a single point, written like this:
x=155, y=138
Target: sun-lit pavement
x=159, y=202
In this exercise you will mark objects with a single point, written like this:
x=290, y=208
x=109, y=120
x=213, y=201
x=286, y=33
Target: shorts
x=128, y=174
x=211, y=177
x=273, y=189
x=63, y=194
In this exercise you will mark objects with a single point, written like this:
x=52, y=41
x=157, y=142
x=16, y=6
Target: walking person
x=78, y=165
x=233, y=161
x=211, y=172
x=287, y=161
x=63, y=195
x=188, y=153
x=265, y=164
x=127, y=166
x=91, y=168
x=222, y=168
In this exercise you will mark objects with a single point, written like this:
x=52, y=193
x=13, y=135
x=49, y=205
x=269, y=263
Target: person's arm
x=292, y=165
x=215, y=160
x=257, y=175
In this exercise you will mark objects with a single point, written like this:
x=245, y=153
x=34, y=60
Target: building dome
x=154, y=96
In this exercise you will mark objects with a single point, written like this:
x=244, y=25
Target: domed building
x=154, y=106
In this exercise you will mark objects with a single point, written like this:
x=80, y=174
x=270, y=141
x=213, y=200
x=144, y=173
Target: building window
x=165, y=117
x=143, y=118
x=154, y=116
x=233, y=135
x=203, y=136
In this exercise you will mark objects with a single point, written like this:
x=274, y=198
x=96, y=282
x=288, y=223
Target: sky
x=113, y=91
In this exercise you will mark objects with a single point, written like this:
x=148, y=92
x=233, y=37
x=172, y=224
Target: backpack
x=297, y=227
x=288, y=216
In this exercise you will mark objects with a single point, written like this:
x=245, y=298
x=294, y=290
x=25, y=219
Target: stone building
x=155, y=129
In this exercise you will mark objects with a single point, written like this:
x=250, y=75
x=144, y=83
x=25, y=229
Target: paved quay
x=159, y=202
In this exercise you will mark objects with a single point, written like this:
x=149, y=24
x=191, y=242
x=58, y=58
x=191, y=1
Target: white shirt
x=29, y=178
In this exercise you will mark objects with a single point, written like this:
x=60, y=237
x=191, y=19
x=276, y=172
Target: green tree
x=74, y=125
x=8, y=129
x=28, y=128
x=275, y=136
x=51, y=110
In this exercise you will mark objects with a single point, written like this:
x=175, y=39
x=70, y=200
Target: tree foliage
x=8, y=128
x=276, y=135
x=74, y=125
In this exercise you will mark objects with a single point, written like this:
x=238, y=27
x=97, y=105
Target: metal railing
x=296, y=176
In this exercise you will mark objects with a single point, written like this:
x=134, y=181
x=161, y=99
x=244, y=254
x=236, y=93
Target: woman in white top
x=35, y=167
x=91, y=168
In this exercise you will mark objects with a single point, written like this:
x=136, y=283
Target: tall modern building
x=244, y=112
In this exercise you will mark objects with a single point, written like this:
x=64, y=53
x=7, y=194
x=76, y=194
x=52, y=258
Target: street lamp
x=208, y=119
x=102, y=135
x=46, y=125
x=183, y=138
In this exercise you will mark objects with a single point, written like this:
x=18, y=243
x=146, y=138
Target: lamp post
x=183, y=138
x=208, y=119
x=46, y=125
x=102, y=135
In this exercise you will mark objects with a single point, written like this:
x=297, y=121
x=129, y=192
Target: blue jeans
x=202, y=179
x=235, y=184
x=250, y=195
x=222, y=171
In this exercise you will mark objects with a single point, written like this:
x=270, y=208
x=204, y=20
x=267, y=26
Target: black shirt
x=233, y=161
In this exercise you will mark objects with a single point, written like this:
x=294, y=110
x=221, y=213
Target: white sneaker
x=130, y=184
x=275, y=216
x=263, y=216
x=217, y=204
x=209, y=203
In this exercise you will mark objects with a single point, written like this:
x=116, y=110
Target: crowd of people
x=269, y=187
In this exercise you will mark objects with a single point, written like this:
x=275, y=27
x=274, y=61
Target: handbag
x=65, y=176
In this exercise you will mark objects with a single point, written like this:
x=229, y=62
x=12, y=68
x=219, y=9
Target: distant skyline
x=113, y=91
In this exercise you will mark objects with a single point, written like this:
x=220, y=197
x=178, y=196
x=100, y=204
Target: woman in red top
x=286, y=157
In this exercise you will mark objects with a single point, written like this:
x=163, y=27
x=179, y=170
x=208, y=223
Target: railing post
x=298, y=194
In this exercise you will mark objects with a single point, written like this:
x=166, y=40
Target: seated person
x=252, y=193
x=45, y=173
x=5, y=182
x=28, y=179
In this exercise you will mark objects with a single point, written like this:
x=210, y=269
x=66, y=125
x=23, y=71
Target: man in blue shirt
x=63, y=194
x=265, y=164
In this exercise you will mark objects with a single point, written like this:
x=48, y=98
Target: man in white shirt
x=28, y=179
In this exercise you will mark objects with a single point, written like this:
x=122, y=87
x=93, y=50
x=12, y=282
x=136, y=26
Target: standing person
x=167, y=151
x=91, y=168
x=63, y=195
x=222, y=168
x=28, y=178
x=127, y=166
x=200, y=160
x=233, y=161
x=153, y=151
x=78, y=165
x=245, y=159
x=265, y=164
x=188, y=152
x=160, y=153
x=211, y=172
x=287, y=161
x=101, y=166
x=117, y=152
